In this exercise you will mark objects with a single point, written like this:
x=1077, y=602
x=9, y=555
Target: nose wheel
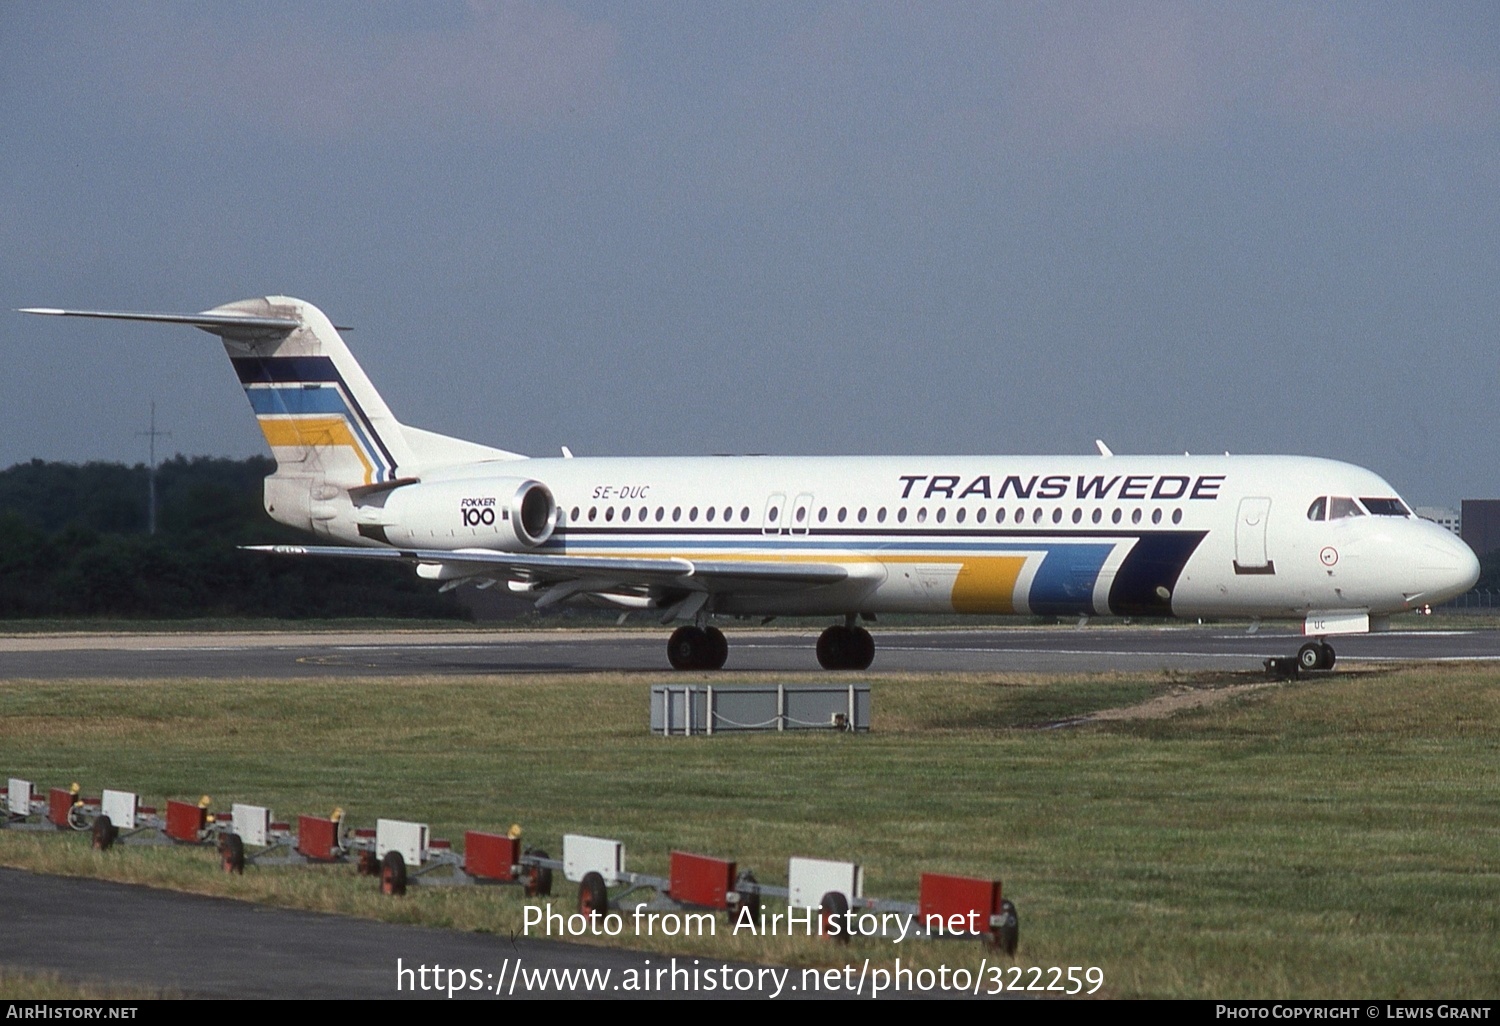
x=1315, y=655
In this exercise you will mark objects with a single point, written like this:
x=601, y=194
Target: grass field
x=1333, y=837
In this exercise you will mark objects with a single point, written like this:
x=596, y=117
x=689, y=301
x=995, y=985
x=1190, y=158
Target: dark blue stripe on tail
x=275, y=370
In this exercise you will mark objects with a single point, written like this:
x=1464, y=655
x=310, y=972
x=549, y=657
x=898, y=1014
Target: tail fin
x=320, y=414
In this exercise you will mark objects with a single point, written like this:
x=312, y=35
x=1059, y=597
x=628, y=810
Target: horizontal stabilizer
x=225, y=325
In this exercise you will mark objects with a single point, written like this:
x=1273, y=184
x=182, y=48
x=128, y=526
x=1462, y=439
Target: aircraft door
x=802, y=514
x=1250, y=556
x=775, y=517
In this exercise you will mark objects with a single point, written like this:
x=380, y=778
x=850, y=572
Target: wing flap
x=602, y=572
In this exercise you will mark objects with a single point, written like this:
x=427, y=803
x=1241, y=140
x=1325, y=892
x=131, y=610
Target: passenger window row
x=1002, y=515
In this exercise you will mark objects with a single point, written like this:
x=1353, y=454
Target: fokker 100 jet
x=1312, y=540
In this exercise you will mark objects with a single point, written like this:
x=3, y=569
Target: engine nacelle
x=509, y=514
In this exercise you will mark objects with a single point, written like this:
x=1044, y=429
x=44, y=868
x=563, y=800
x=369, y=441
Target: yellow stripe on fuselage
x=987, y=584
x=314, y=433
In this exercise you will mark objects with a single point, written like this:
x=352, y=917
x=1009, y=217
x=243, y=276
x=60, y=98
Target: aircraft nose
x=1452, y=565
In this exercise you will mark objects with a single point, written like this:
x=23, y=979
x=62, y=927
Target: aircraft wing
x=590, y=573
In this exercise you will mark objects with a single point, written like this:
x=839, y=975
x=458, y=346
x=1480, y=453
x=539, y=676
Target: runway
x=1049, y=649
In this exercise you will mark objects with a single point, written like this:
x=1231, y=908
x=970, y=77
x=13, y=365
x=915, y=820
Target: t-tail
x=333, y=437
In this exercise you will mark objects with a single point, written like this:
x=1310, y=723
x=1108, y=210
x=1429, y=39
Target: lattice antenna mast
x=153, y=434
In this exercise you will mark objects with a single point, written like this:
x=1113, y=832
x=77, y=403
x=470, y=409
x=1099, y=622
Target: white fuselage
x=1064, y=535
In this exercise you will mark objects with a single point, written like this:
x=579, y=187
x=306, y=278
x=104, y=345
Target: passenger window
x=979, y=515
x=661, y=514
x=676, y=514
x=644, y=511
x=1000, y=515
x=574, y=515
x=1078, y=516
x=1057, y=516
x=1156, y=516
x=941, y=514
x=922, y=515
x=625, y=513
x=609, y=513
x=901, y=515
x=593, y=511
x=822, y=514
x=744, y=514
x=708, y=514
x=1036, y=515
x=1177, y=516
x=1098, y=515
x=771, y=514
x=1135, y=516
x=880, y=516
x=728, y=514
x=693, y=514
x=843, y=512
x=1114, y=518
x=960, y=515
x=862, y=515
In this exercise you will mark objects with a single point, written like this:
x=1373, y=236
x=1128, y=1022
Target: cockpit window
x=1340, y=507
x=1385, y=507
x=1319, y=509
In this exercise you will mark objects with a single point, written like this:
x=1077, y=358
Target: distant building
x=1443, y=516
x=1481, y=525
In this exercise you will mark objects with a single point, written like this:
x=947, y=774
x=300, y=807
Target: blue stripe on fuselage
x=1064, y=583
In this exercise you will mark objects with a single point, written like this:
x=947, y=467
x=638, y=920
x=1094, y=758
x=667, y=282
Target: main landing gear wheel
x=1315, y=655
x=845, y=648
x=697, y=648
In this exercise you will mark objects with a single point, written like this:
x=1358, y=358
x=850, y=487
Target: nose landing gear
x=1315, y=655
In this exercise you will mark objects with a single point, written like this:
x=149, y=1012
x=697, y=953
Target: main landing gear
x=845, y=647
x=841, y=647
x=697, y=648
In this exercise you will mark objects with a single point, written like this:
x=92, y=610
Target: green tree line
x=74, y=542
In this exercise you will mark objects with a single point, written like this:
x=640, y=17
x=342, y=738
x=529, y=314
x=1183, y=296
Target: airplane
x=1313, y=540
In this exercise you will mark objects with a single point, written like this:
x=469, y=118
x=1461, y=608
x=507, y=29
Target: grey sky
x=660, y=228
